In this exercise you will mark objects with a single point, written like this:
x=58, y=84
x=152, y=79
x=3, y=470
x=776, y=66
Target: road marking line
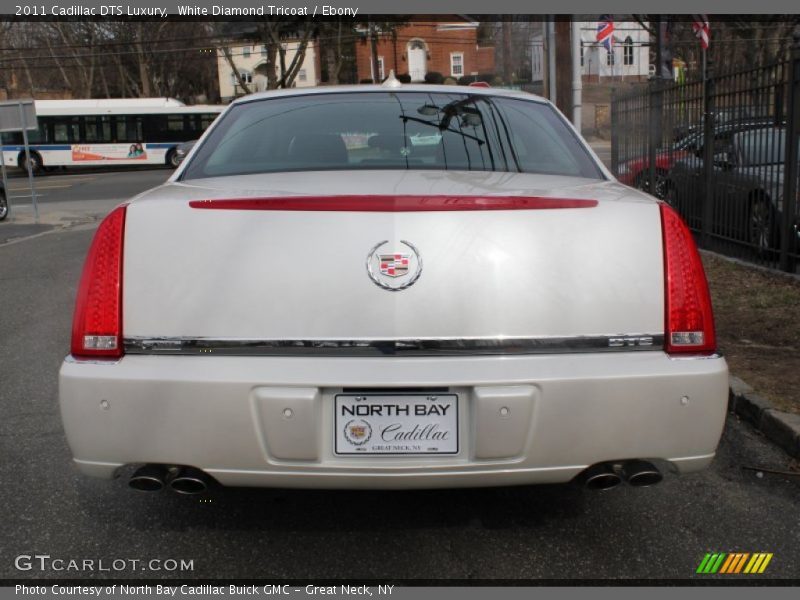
x=71, y=178
x=41, y=187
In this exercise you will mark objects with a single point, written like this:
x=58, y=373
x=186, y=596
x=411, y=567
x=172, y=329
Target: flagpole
x=705, y=63
x=705, y=80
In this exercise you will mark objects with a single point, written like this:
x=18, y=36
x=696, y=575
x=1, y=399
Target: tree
x=275, y=35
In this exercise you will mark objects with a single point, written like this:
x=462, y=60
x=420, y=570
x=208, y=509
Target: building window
x=456, y=64
x=263, y=50
x=246, y=52
x=627, y=52
x=381, y=75
x=581, y=54
x=301, y=75
x=247, y=76
x=610, y=58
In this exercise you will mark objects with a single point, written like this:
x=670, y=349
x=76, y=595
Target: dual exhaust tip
x=604, y=476
x=182, y=480
x=189, y=480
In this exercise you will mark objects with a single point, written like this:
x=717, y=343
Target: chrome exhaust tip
x=601, y=477
x=640, y=473
x=149, y=478
x=189, y=480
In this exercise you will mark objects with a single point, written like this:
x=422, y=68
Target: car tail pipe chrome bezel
x=184, y=480
x=601, y=476
x=190, y=481
x=149, y=478
x=608, y=475
x=641, y=473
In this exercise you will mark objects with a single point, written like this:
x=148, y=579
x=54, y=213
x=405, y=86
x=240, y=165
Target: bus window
x=98, y=129
x=12, y=138
x=206, y=120
x=35, y=136
x=155, y=128
x=193, y=129
x=175, y=127
x=129, y=128
x=67, y=130
x=39, y=136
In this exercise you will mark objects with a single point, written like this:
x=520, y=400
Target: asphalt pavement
x=561, y=532
x=75, y=197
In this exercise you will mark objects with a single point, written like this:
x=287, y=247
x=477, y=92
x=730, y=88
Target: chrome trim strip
x=714, y=356
x=399, y=347
x=89, y=361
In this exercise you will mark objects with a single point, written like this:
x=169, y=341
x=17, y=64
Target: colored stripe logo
x=733, y=563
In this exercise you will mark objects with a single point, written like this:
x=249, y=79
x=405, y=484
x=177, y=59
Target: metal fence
x=724, y=152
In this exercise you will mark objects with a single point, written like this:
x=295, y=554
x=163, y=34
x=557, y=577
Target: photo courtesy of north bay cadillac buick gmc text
x=392, y=286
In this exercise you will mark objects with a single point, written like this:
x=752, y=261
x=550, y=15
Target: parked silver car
x=314, y=300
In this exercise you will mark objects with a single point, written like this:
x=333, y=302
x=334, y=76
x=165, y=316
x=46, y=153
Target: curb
x=781, y=428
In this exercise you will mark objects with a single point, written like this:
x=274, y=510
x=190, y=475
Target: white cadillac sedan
x=392, y=287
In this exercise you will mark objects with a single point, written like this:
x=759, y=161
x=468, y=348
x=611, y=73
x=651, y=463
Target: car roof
x=735, y=127
x=411, y=87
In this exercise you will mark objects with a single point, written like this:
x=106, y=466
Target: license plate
x=369, y=424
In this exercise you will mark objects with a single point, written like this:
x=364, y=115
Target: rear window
x=762, y=147
x=391, y=130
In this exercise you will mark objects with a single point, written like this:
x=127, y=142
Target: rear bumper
x=225, y=415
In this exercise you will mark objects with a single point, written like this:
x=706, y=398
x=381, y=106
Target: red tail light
x=689, y=326
x=97, y=324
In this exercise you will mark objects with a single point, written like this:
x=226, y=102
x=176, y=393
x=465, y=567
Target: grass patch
x=758, y=328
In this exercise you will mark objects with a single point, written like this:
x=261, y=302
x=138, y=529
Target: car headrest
x=323, y=148
x=392, y=143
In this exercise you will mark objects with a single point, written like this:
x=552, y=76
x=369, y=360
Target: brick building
x=451, y=48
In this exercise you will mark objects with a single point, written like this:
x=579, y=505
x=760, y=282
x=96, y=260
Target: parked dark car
x=3, y=203
x=636, y=171
x=746, y=183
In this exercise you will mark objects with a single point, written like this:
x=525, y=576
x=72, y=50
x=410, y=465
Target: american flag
x=605, y=31
x=702, y=30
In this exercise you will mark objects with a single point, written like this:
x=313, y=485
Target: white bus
x=108, y=132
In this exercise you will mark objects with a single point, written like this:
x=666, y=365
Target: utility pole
x=577, y=84
x=564, y=61
x=656, y=106
x=507, y=64
x=373, y=42
x=550, y=38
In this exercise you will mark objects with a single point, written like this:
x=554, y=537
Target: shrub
x=434, y=77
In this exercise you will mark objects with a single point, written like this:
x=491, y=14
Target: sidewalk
x=603, y=150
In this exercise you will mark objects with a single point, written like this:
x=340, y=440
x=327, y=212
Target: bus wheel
x=172, y=159
x=36, y=162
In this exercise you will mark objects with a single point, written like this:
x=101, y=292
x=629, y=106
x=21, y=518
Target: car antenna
x=391, y=81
